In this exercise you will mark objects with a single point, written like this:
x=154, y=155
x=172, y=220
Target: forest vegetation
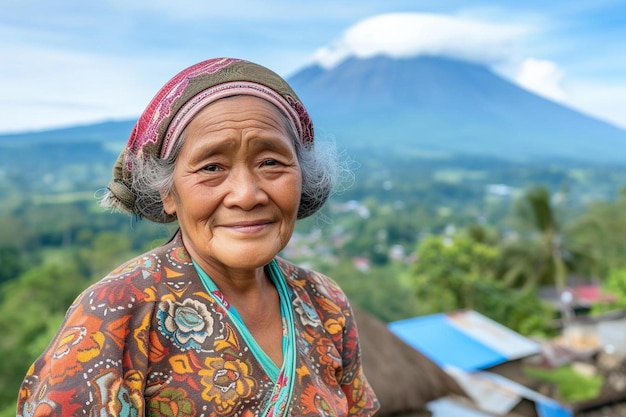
x=407, y=237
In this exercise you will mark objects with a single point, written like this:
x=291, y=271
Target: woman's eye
x=270, y=162
x=212, y=168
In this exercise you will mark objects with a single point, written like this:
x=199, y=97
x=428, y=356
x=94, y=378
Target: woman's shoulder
x=142, y=279
x=315, y=284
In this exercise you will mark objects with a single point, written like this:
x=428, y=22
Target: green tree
x=447, y=270
x=107, y=251
x=453, y=273
x=384, y=292
x=601, y=230
x=615, y=284
x=31, y=310
x=542, y=251
x=11, y=262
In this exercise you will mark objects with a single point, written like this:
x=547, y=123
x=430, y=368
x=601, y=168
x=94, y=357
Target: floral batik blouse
x=155, y=338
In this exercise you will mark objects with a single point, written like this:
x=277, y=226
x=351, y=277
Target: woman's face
x=237, y=185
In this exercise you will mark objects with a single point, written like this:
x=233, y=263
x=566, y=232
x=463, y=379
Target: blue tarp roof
x=466, y=340
x=470, y=342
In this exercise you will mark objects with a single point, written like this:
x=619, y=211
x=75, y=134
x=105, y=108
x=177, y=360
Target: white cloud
x=542, y=77
x=412, y=34
x=604, y=100
x=503, y=46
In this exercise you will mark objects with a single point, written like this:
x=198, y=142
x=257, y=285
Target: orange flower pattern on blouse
x=147, y=340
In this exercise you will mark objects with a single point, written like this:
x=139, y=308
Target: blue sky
x=68, y=62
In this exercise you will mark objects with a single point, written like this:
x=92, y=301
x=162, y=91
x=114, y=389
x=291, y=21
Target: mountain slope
x=441, y=104
x=111, y=131
x=417, y=106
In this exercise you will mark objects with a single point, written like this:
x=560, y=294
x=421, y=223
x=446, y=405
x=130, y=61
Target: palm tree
x=537, y=256
x=542, y=254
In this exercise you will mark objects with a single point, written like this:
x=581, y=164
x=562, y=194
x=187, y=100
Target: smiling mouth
x=248, y=227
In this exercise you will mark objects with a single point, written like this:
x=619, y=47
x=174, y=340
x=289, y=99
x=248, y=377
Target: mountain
x=110, y=131
x=414, y=107
x=436, y=104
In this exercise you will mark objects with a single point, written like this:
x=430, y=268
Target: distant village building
x=362, y=264
x=499, y=190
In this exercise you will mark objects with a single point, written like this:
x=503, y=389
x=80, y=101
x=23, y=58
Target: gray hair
x=154, y=177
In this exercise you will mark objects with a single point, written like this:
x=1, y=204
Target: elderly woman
x=213, y=323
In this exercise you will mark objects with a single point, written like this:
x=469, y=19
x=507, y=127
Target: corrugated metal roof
x=464, y=343
x=498, y=395
x=445, y=407
x=464, y=339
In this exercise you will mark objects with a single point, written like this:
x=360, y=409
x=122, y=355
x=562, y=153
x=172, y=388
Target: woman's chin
x=245, y=255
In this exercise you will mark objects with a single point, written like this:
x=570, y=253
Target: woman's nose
x=245, y=189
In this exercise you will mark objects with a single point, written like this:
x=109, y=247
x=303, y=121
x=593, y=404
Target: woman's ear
x=169, y=202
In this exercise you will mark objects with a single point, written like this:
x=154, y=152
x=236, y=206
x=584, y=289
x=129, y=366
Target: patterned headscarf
x=161, y=124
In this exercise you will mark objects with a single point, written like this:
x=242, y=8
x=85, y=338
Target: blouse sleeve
x=361, y=397
x=96, y=364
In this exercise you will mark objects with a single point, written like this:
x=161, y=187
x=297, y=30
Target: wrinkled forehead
x=242, y=116
x=219, y=92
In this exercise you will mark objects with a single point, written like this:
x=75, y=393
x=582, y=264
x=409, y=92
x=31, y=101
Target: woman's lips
x=248, y=226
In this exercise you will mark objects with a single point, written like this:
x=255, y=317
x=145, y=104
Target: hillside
x=417, y=116
x=415, y=107
x=109, y=131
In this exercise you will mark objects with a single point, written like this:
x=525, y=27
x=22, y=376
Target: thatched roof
x=403, y=378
